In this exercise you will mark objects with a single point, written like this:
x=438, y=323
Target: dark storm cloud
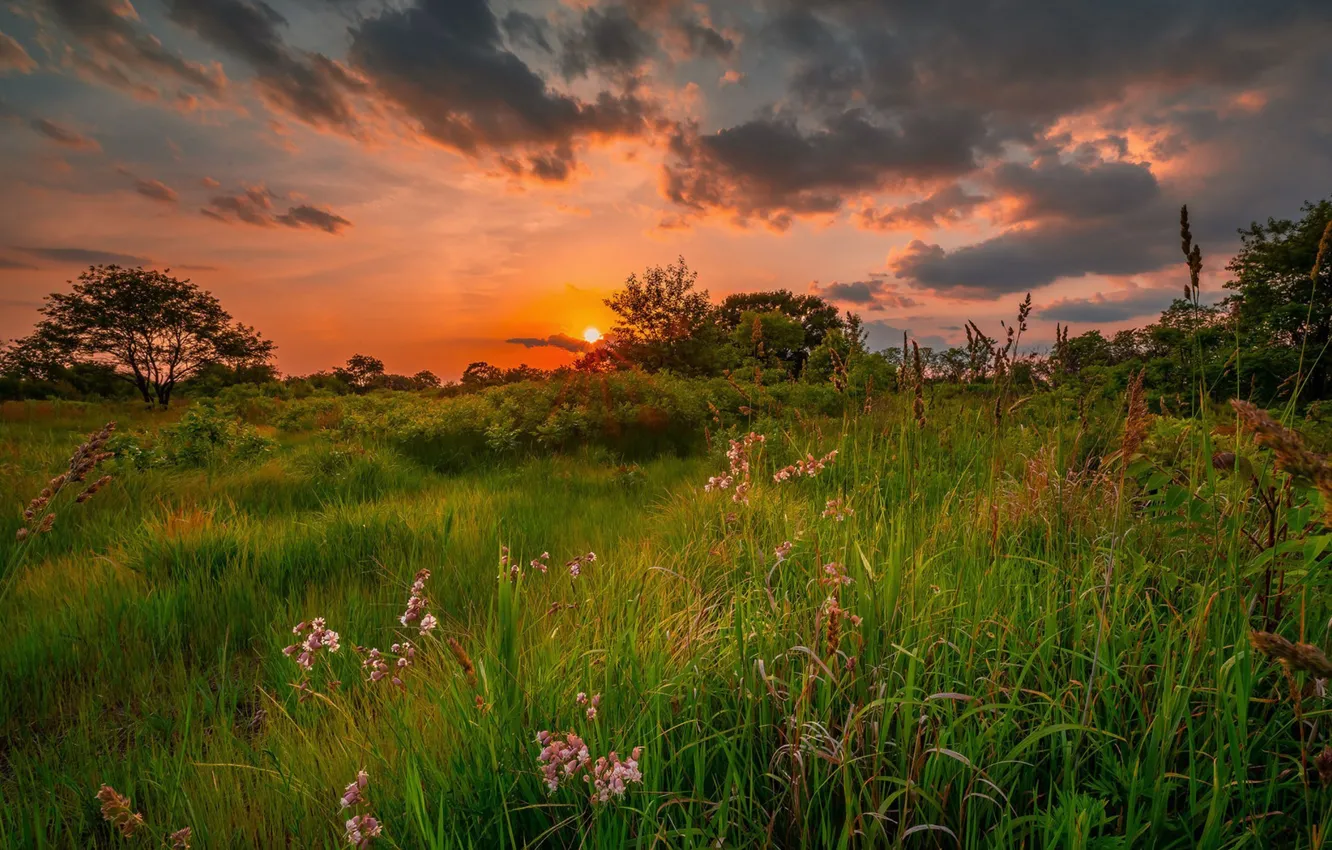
x=1110, y=307
x=309, y=86
x=525, y=29
x=945, y=206
x=1028, y=258
x=308, y=216
x=1055, y=188
x=564, y=341
x=443, y=62
x=770, y=168
x=13, y=57
x=1000, y=73
x=611, y=41
x=85, y=256
x=64, y=136
x=120, y=45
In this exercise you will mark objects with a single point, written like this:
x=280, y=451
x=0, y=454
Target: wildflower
x=117, y=812
x=320, y=637
x=833, y=576
x=561, y=757
x=592, y=704
x=738, y=458
x=180, y=839
x=783, y=550
x=610, y=775
x=540, y=564
x=362, y=830
x=837, y=510
x=809, y=467
x=416, y=605
x=576, y=565
x=355, y=793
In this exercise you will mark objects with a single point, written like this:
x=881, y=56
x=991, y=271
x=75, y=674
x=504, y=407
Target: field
x=1003, y=634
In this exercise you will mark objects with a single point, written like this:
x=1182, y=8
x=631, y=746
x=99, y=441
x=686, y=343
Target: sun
x=591, y=334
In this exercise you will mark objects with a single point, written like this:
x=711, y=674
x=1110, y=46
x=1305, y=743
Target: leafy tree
x=666, y=323
x=152, y=329
x=1282, y=304
x=815, y=316
x=425, y=379
x=361, y=372
x=769, y=337
x=480, y=375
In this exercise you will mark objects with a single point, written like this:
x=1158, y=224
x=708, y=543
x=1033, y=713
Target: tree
x=665, y=323
x=768, y=337
x=480, y=375
x=1283, y=303
x=152, y=329
x=816, y=317
x=361, y=372
x=425, y=379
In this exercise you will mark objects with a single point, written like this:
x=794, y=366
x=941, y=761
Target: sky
x=435, y=182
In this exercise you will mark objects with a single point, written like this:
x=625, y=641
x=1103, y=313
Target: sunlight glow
x=591, y=334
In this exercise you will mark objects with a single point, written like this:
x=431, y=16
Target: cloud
x=13, y=57
x=115, y=48
x=948, y=205
x=313, y=217
x=1052, y=187
x=881, y=335
x=254, y=205
x=308, y=86
x=153, y=189
x=610, y=41
x=771, y=168
x=527, y=30
x=873, y=294
x=1115, y=306
x=892, y=96
x=86, y=256
x=64, y=136
x=445, y=66
x=564, y=341
x=9, y=263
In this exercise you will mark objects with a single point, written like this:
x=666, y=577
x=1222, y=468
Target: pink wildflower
x=837, y=510
x=833, y=576
x=610, y=775
x=576, y=565
x=355, y=793
x=809, y=467
x=416, y=605
x=540, y=564
x=319, y=637
x=562, y=756
x=362, y=830
x=180, y=839
x=783, y=551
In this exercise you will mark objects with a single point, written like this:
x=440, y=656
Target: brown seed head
x=1296, y=656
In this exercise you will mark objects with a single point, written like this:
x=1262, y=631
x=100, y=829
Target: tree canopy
x=151, y=329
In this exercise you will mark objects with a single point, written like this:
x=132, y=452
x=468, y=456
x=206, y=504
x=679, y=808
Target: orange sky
x=528, y=157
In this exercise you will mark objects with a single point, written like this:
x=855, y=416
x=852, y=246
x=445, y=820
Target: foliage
x=152, y=329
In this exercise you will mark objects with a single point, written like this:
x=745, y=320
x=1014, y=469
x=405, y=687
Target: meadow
x=826, y=621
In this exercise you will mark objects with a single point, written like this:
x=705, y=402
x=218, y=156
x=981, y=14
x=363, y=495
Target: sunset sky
x=440, y=181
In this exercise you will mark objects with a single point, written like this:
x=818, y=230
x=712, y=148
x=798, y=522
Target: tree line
x=144, y=332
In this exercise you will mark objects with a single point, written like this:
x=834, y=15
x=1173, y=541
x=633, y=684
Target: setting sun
x=591, y=334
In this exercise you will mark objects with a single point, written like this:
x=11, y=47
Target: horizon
x=434, y=183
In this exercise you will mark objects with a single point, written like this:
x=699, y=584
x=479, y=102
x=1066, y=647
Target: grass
x=997, y=691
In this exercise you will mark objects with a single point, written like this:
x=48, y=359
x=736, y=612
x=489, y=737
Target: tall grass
x=990, y=682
